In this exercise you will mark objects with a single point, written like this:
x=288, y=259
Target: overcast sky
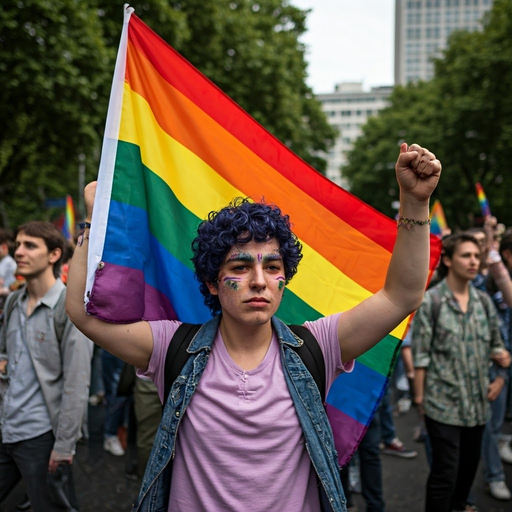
x=349, y=41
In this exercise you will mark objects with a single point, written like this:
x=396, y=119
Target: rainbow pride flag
x=438, y=220
x=482, y=199
x=68, y=227
x=176, y=148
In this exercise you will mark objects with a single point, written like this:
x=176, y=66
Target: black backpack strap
x=177, y=354
x=311, y=355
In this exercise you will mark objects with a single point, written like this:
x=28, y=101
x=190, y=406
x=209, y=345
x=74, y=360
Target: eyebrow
x=272, y=257
x=241, y=256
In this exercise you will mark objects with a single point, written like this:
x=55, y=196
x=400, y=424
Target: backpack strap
x=311, y=355
x=435, y=309
x=60, y=316
x=177, y=355
x=59, y=312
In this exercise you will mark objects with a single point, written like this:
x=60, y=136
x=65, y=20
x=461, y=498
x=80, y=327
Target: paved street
x=102, y=484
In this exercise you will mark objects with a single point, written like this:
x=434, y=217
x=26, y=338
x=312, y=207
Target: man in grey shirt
x=45, y=373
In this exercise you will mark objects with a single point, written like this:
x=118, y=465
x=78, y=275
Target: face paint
x=241, y=256
x=275, y=256
x=281, y=280
x=232, y=282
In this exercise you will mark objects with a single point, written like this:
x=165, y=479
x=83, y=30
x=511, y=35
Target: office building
x=422, y=29
x=347, y=109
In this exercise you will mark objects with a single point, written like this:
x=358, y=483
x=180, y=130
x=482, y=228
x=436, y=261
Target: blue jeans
x=385, y=413
x=116, y=405
x=28, y=460
x=97, y=386
x=493, y=467
x=371, y=467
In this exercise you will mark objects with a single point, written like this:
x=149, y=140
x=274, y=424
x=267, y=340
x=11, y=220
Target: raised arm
x=359, y=329
x=132, y=343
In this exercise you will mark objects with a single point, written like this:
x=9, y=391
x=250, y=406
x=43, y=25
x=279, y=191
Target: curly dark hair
x=237, y=224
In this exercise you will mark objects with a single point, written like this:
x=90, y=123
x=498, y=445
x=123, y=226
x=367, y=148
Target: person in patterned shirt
x=455, y=335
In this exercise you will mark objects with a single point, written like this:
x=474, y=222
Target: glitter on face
x=241, y=256
x=232, y=282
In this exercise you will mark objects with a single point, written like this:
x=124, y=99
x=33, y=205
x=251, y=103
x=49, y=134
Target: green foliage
x=463, y=115
x=53, y=68
x=56, y=64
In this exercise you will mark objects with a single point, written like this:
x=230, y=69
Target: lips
x=257, y=300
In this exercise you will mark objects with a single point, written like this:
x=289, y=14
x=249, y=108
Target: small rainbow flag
x=176, y=148
x=68, y=228
x=482, y=199
x=438, y=224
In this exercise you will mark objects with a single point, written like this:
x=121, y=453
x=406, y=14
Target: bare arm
x=419, y=387
x=132, y=343
x=363, y=326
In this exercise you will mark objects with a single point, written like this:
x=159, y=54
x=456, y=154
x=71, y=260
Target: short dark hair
x=52, y=237
x=506, y=241
x=7, y=237
x=237, y=224
x=450, y=244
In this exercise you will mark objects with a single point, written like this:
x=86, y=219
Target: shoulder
x=163, y=331
x=325, y=327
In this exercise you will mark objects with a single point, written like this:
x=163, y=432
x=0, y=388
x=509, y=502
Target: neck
x=38, y=287
x=456, y=285
x=247, y=345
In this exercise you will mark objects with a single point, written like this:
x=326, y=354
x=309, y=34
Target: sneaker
x=396, y=447
x=505, y=451
x=113, y=445
x=24, y=504
x=499, y=490
x=404, y=405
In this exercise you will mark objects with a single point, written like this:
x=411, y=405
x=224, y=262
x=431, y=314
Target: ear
x=212, y=288
x=446, y=261
x=55, y=255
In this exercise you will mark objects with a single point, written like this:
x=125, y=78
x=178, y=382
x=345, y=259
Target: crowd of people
x=255, y=394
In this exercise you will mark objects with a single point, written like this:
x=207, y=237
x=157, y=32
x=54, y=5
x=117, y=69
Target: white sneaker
x=505, y=452
x=113, y=445
x=499, y=490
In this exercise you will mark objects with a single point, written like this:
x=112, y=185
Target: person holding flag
x=252, y=426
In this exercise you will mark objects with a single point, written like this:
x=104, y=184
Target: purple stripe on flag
x=352, y=433
x=134, y=298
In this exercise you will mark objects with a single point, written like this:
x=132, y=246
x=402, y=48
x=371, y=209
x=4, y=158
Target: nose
x=258, y=278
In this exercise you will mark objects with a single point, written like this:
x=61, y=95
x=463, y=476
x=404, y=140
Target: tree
x=464, y=115
x=54, y=66
x=57, y=60
x=371, y=163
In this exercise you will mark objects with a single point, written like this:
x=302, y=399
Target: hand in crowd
x=494, y=389
x=417, y=171
x=56, y=460
x=501, y=358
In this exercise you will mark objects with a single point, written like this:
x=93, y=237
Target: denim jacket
x=156, y=484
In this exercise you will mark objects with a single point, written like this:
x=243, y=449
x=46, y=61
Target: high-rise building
x=347, y=109
x=422, y=28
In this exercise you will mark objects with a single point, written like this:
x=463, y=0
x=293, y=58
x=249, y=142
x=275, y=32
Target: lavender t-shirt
x=240, y=445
